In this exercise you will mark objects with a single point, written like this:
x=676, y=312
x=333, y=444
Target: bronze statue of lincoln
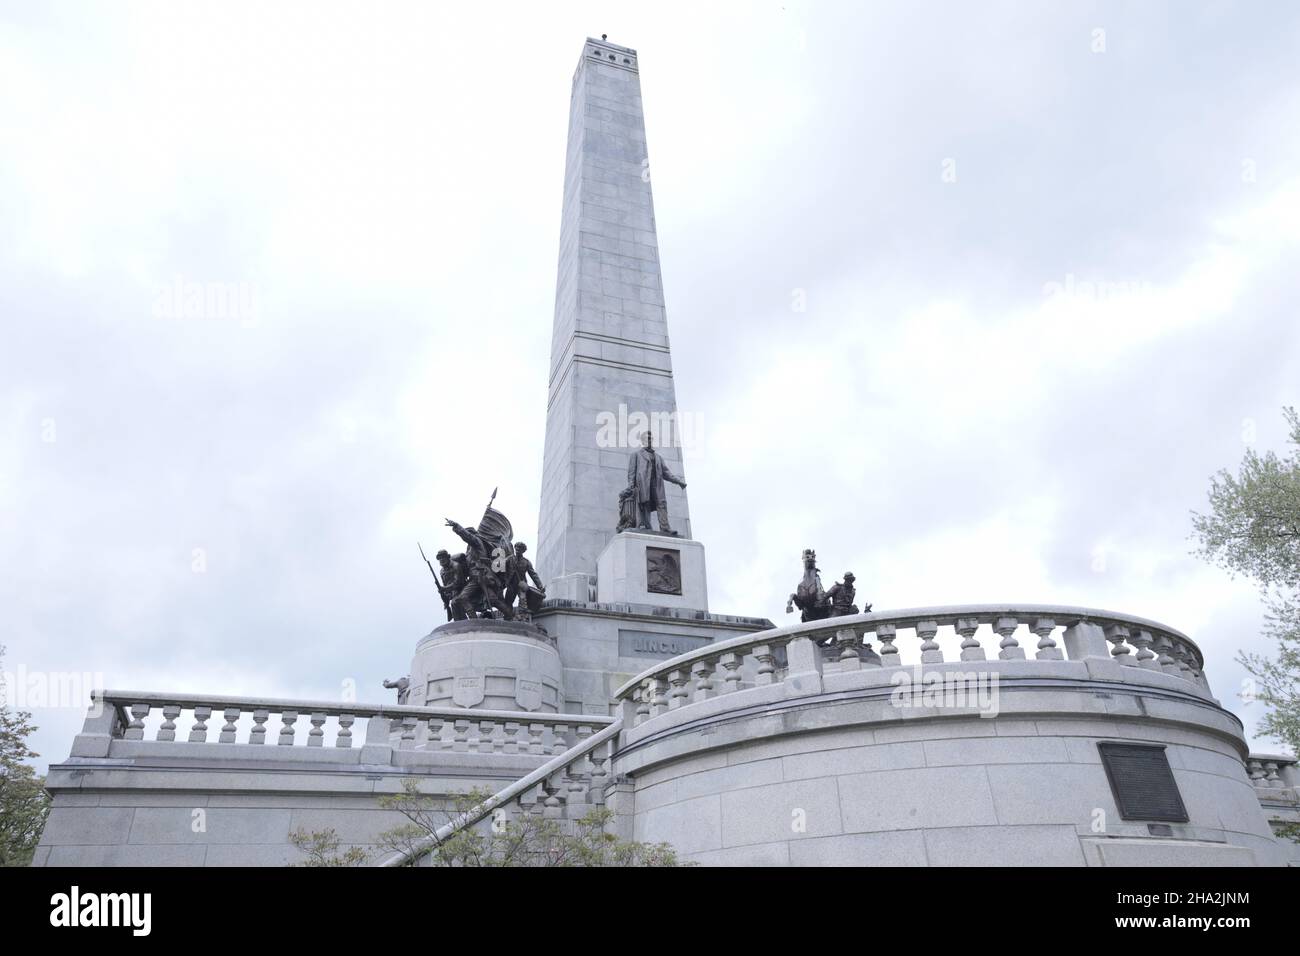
x=646, y=473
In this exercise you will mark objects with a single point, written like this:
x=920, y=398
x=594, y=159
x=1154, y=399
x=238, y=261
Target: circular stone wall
x=487, y=665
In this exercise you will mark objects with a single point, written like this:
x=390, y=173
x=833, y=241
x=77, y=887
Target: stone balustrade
x=222, y=720
x=1032, y=634
x=566, y=787
x=1267, y=771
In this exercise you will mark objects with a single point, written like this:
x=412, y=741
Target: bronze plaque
x=663, y=570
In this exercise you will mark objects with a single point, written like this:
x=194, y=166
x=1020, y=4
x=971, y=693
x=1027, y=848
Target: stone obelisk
x=611, y=369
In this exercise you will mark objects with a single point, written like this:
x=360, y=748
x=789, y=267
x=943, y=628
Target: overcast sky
x=1046, y=257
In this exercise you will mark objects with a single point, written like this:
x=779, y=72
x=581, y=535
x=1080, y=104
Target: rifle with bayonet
x=441, y=593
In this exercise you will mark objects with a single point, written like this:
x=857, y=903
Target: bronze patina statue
x=841, y=596
x=518, y=570
x=809, y=597
x=487, y=563
x=646, y=473
x=817, y=604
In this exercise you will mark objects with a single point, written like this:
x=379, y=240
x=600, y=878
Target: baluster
x=1180, y=654
x=135, y=729
x=658, y=702
x=199, y=729
x=1143, y=658
x=512, y=737
x=970, y=647
x=598, y=757
x=1005, y=627
x=344, y=738
x=643, y=702
x=231, y=714
x=702, y=671
x=678, y=697
x=553, y=787
x=846, y=639
x=435, y=732
x=1047, y=649
x=168, y=729
x=287, y=718
x=731, y=662
x=1256, y=770
x=931, y=652
x=559, y=739
x=1164, y=648
x=888, y=652
x=529, y=805
x=260, y=717
x=1117, y=634
x=409, y=726
x=766, y=658
x=460, y=736
x=578, y=786
x=316, y=736
x=1271, y=777
x=535, y=738
x=486, y=728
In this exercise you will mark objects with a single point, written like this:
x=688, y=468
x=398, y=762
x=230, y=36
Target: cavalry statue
x=818, y=604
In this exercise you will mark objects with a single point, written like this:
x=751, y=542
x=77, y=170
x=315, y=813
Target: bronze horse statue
x=809, y=597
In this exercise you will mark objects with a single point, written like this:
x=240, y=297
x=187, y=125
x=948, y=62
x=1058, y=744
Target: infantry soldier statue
x=454, y=576
x=646, y=473
x=518, y=570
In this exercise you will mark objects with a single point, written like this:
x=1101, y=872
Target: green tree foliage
x=1253, y=529
x=496, y=841
x=518, y=840
x=321, y=848
x=23, y=800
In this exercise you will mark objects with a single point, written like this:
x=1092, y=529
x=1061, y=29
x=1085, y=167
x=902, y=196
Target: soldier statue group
x=490, y=575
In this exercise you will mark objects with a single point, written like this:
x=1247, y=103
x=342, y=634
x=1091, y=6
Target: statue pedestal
x=487, y=665
x=639, y=567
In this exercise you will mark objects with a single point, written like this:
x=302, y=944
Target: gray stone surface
x=609, y=351
x=489, y=665
x=621, y=572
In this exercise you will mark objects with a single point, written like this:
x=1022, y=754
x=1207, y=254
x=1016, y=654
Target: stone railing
x=1273, y=772
x=219, y=720
x=834, y=645
x=565, y=787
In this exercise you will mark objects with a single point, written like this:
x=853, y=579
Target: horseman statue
x=818, y=604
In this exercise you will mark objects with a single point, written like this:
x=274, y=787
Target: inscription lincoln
x=647, y=644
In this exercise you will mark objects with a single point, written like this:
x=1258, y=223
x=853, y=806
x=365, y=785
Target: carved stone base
x=661, y=570
x=487, y=665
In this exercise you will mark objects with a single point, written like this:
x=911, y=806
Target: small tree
x=526, y=841
x=322, y=849
x=1253, y=529
x=24, y=803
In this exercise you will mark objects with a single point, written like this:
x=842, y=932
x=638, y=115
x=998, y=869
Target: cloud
x=990, y=382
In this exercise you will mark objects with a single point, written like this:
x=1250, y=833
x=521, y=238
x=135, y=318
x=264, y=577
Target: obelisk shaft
x=611, y=369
